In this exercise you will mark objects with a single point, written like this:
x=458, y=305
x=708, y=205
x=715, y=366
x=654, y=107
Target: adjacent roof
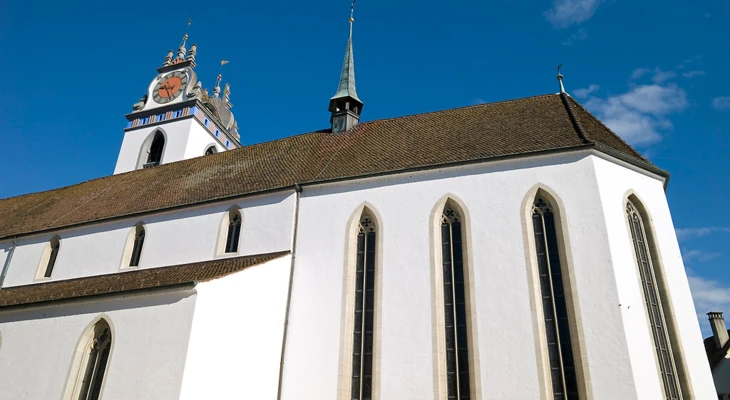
x=715, y=355
x=129, y=281
x=471, y=134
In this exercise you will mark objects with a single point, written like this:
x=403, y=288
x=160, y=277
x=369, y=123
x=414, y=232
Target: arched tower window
x=210, y=151
x=94, y=358
x=654, y=300
x=139, y=234
x=362, y=346
x=454, y=287
x=48, y=260
x=156, y=148
x=234, y=231
x=555, y=311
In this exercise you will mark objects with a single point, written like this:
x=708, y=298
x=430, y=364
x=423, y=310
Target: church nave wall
x=171, y=238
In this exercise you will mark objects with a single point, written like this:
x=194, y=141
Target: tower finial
x=560, y=79
x=187, y=30
x=217, y=88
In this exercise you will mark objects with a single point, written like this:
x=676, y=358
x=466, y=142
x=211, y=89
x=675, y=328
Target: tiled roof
x=129, y=281
x=715, y=355
x=470, y=134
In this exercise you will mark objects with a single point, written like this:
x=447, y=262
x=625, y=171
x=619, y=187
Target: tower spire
x=345, y=105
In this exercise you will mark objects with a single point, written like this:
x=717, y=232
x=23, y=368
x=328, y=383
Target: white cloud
x=478, y=101
x=658, y=76
x=640, y=114
x=721, y=103
x=565, y=13
x=689, y=233
x=576, y=37
x=583, y=93
x=699, y=255
x=692, y=74
x=708, y=296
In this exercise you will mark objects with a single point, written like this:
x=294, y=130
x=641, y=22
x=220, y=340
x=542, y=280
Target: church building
x=512, y=250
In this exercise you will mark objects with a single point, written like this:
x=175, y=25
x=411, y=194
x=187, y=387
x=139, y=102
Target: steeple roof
x=347, y=87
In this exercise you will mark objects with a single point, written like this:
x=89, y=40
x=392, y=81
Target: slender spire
x=560, y=79
x=347, y=87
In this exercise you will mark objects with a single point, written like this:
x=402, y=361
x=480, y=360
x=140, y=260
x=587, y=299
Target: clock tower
x=177, y=119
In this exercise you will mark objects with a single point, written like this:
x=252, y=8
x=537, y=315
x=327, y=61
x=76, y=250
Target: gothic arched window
x=654, y=301
x=156, y=148
x=210, y=151
x=555, y=311
x=363, y=332
x=95, y=351
x=454, y=286
x=139, y=234
x=49, y=256
x=234, y=231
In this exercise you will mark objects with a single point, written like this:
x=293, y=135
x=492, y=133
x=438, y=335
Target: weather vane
x=352, y=11
x=190, y=21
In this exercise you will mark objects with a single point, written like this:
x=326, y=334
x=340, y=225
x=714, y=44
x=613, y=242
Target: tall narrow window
x=457, y=346
x=55, y=245
x=362, y=346
x=139, y=235
x=554, y=306
x=654, y=302
x=234, y=231
x=156, y=148
x=94, y=359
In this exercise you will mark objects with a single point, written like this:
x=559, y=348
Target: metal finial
x=560, y=79
x=185, y=37
x=217, y=88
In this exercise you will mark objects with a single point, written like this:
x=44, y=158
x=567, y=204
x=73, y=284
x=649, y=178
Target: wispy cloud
x=699, y=255
x=579, y=36
x=693, y=74
x=641, y=114
x=478, y=101
x=689, y=233
x=657, y=75
x=565, y=13
x=708, y=296
x=721, y=103
x=583, y=93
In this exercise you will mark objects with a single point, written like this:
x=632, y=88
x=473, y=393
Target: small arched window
x=554, y=305
x=654, y=300
x=139, y=234
x=94, y=358
x=234, y=231
x=363, y=332
x=49, y=257
x=156, y=148
x=454, y=291
x=211, y=150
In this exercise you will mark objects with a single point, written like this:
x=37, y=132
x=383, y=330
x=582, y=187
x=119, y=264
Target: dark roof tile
x=129, y=281
x=508, y=128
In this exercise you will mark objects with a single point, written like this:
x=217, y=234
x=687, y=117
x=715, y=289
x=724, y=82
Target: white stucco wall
x=721, y=375
x=172, y=238
x=493, y=195
x=199, y=139
x=150, y=335
x=235, y=344
x=615, y=184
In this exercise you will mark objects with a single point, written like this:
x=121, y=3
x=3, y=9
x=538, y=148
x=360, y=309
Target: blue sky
x=655, y=71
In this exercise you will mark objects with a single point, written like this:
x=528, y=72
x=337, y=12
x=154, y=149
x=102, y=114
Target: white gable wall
x=493, y=195
x=150, y=334
x=235, y=344
x=615, y=184
x=172, y=238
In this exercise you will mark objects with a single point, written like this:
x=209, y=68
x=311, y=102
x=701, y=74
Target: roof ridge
x=609, y=129
x=574, y=119
x=456, y=108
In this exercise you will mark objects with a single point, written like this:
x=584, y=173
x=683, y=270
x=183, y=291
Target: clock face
x=169, y=87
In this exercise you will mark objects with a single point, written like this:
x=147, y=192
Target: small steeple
x=560, y=79
x=345, y=105
x=191, y=55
